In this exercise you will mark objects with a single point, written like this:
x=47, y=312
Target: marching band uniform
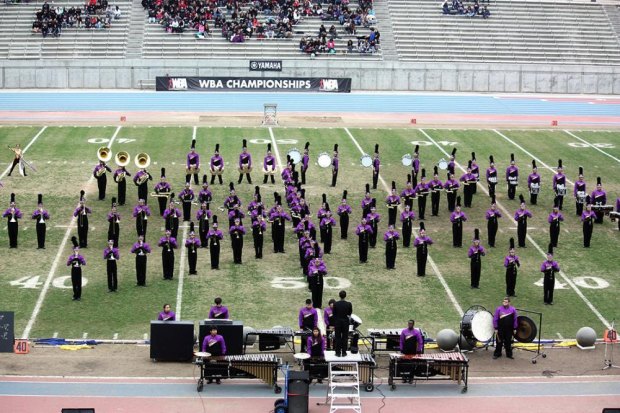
x=311, y=250
x=259, y=227
x=111, y=255
x=162, y=187
x=376, y=165
x=76, y=261
x=237, y=233
x=326, y=226
x=452, y=163
x=100, y=174
x=512, y=263
x=168, y=244
x=141, y=212
x=393, y=202
x=587, y=217
x=505, y=323
x=304, y=243
x=305, y=161
x=512, y=177
x=216, y=165
x=203, y=216
x=554, y=219
x=245, y=163
x=40, y=216
x=13, y=214
x=316, y=346
x=421, y=244
x=363, y=231
x=308, y=318
x=269, y=165
x=344, y=211
x=407, y=217
x=469, y=183
x=533, y=183
x=491, y=216
x=407, y=195
x=435, y=186
x=141, y=249
x=373, y=220
x=457, y=218
x=215, y=345
x=559, y=185
x=167, y=314
x=114, y=226
x=120, y=178
x=475, y=171
x=411, y=340
x=231, y=201
x=415, y=164
x=474, y=253
x=205, y=196
x=549, y=268
x=521, y=216
x=316, y=273
x=186, y=197
x=192, y=164
x=219, y=311
x=171, y=218
x=81, y=213
x=618, y=210
x=328, y=318
x=366, y=202
x=215, y=237
x=579, y=192
x=421, y=192
x=192, y=244
x=391, y=238
x=143, y=188
x=287, y=173
x=278, y=219
x=320, y=214
x=599, y=198
x=491, y=176
x=452, y=188
x=335, y=166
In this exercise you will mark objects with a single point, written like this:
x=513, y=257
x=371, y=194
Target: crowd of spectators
x=96, y=14
x=459, y=8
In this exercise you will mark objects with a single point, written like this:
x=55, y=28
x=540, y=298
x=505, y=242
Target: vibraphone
x=318, y=369
x=272, y=339
x=249, y=366
x=450, y=366
x=387, y=339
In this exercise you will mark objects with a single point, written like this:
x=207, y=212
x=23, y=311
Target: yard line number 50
x=291, y=283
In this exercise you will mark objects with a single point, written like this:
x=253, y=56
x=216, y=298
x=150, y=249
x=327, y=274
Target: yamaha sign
x=265, y=65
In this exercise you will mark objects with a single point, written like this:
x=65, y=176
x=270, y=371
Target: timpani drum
x=477, y=325
x=324, y=160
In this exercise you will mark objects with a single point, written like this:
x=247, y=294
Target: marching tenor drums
x=324, y=160
x=366, y=160
x=560, y=189
x=477, y=325
x=534, y=188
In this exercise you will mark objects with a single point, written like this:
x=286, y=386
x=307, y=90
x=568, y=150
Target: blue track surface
x=296, y=102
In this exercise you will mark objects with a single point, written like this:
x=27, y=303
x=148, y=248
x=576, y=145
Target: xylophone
x=452, y=366
x=251, y=366
x=272, y=339
x=318, y=369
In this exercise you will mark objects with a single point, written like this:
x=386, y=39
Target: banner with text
x=250, y=84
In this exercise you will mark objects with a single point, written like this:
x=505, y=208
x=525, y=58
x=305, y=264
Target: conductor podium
x=172, y=340
x=232, y=331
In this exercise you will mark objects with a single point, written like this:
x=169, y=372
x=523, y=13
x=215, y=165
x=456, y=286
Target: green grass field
x=65, y=156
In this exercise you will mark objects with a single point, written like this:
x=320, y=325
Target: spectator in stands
x=445, y=7
x=350, y=46
x=331, y=46
x=485, y=12
x=333, y=32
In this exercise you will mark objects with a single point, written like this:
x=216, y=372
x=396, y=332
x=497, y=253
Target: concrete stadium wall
x=379, y=76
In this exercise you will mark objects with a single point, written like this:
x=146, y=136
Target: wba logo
x=177, y=83
x=329, y=85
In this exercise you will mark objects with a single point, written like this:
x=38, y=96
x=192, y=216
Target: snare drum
x=492, y=179
x=324, y=160
x=295, y=155
x=477, y=325
x=560, y=189
x=513, y=180
x=407, y=160
x=366, y=161
x=534, y=188
x=581, y=197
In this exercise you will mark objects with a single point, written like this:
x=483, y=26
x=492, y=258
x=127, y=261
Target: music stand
x=610, y=340
x=538, y=352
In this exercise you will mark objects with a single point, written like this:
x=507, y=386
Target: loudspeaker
x=298, y=391
x=231, y=332
x=77, y=411
x=172, y=340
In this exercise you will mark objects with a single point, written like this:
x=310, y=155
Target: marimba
x=272, y=339
x=449, y=366
x=249, y=366
x=318, y=369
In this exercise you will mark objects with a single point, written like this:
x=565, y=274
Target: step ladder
x=343, y=390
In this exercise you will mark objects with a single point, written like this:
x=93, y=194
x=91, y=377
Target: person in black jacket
x=341, y=315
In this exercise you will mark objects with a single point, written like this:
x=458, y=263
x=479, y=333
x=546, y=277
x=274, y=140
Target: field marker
x=57, y=259
x=560, y=336
x=6, y=171
x=55, y=335
x=85, y=335
x=443, y=282
x=115, y=336
x=181, y=271
x=592, y=146
x=275, y=148
x=531, y=240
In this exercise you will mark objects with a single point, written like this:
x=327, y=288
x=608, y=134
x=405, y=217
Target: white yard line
x=181, y=274
x=275, y=149
x=592, y=146
x=530, y=239
x=6, y=171
x=57, y=259
x=442, y=280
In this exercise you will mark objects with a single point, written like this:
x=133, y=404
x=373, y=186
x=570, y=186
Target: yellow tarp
x=75, y=347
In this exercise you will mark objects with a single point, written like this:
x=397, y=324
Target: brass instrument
x=217, y=170
x=193, y=169
x=156, y=195
x=122, y=158
x=245, y=169
x=104, y=154
x=142, y=161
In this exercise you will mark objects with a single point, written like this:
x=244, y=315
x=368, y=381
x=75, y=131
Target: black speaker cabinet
x=172, y=340
x=298, y=391
x=231, y=331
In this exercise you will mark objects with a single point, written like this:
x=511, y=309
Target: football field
x=263, y=293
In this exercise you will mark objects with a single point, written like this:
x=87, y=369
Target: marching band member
x=491, y=176
x=587, y=217
x=469, y=183
x=40, y=215
x=505, y=322
x=277, y=219
x=322, y=213
x=618, y=210
x=475, y=171
x=76, y=261
x=269, y=166
x=311, y=250
x=245, y=163
x=411, y=340
x=259, y=226
x=141, y=180
x=316, y=345
x=554, y=219
x=192, y=244
x=236, y=213
x=407, y=195
x=141, y=249
x=407, y=217
x=305, y=161
x=533, y=183
x=287, y=171
x=326, y=226
x=141, y=213
x=599, y=198
x=512, y=263
x=111, y=255
x=305, y=242
x=192, y=164
x=376, y=165
x=363, y=231
x=475, y=252
x=171, y=218
x=328, y=315
x=162, y=188
x=81, y=213
x=549, y=267
x=366, y=202
x=521, y=216
x=114, y=223
x=215, y=345
x=421, y=192
x=167, y=314
x=391, y=238
x=17, y=160
x=308, y=319
x=237, y=232
x=119, y=177
x=373, y=220
x=344, y=212
x=512, y=177
x=457, y=218
x=100, y=174
x=317, y=270
x=415, y=164
x=218, y=311
x=491, y=216
x=216, y=165
x=452, y=188
x=421, y=243
x=335, y=166
x=215, y=237
x=393, y=202
x=435, y=186
x=559, y=185
x=186, y=197
x=168, y=244
x=232, y=200
x=205, y=193
x=203, y=216
x=452, y=162
x=579, y=192
x=13, y=214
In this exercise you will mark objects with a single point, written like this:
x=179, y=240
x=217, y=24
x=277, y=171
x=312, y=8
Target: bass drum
x=366, y=161
x=406, y=160
x=324, y=160
x=477, y=325
x=526, y=330
x=295, y=155
x=442, y=164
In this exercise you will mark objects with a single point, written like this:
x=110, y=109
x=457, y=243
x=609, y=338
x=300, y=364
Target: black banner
x=253, y=84
x=7, y=335
x=265, y=65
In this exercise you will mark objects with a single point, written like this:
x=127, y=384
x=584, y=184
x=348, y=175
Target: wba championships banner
x=250, y=84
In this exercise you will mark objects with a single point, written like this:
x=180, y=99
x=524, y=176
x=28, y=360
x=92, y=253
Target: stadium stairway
x=136, y=31
x=382, y=13
x=613, y=14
